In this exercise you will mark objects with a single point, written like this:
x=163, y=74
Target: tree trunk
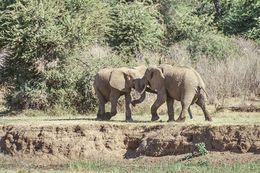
x=218, y=9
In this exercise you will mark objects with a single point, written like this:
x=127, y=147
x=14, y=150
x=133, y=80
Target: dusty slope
x=116, y=141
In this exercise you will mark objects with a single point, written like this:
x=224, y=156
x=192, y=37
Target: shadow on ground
x=9, y=113
x=94, y=119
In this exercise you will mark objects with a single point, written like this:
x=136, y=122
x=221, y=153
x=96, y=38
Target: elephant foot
x=208, y=119
x=129, y=120
x=107, y=116
x=170, y=120
x=133, y=103
x=180, y=119
x=155, y=117
x=98, y=119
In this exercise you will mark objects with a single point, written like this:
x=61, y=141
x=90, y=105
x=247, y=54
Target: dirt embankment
x=124, y=141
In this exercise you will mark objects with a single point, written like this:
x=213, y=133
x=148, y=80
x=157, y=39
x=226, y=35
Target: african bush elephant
x=111, y=83
x=171, y=83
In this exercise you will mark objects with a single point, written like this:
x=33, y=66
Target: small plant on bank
x=189, y=156
x=204, y=162
x=201, y=147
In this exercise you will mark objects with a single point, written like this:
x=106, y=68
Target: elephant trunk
x=140, y=100
x=143, y=94
x=145, y=85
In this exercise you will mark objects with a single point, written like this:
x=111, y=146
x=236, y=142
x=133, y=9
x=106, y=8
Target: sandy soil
x=49, y=144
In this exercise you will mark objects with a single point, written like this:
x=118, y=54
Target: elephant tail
x=204, y=91
x=190, y=112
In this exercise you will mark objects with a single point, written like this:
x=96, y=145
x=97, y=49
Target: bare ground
x=56, y=144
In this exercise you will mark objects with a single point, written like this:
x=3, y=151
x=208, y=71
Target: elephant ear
x=156, y=79
x=119, y=80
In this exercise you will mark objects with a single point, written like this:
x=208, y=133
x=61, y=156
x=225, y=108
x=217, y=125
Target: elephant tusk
x=148, y=89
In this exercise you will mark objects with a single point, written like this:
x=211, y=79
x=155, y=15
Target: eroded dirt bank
x=125, y=141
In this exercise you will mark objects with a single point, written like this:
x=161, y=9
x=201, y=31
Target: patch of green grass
x=103, y=166
x=144, y=110
x=202, y=166
x=34, y=117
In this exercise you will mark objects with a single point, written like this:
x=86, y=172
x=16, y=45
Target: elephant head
x=152, y=81
x=154, y=77
x=122, y=79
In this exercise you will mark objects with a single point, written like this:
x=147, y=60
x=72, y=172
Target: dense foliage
x=56, y=47
x=241, y=17
x=44, y=38
x=135, y=27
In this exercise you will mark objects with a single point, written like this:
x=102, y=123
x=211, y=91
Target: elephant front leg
x=101, y=105
x=170, y=108
x=114, y=96
x=161, y=98
x=128, y=116
x=101, y=112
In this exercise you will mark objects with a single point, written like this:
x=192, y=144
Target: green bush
x=183, y=22
x=201, y=147
x=46, y=38
x=241, y=17
x=211, y=45
x=69, y=87
x=135, y=27
x=191, y=25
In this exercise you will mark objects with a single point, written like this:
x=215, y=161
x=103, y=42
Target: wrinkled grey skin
x=111, y=83
x=181, y=83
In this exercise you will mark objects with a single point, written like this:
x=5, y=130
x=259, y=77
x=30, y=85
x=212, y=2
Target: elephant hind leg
x=182, y=116
x=202, y=105
x=101, y=112
x=186, y=101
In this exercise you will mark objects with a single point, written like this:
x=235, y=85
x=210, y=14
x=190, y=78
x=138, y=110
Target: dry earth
x=49, y=144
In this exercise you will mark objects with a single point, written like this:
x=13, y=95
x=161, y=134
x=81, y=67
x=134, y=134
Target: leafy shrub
x=135, y=27
x=183, y=22
x=45, y=38
x=201, y=147
x=238, y=17
x=241, y=17
x=211, y=45
x=191, y=26
x=4, y=53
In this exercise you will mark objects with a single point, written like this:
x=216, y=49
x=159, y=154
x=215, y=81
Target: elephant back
x=201, y=83
x=140, y=70
x=102, y=76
